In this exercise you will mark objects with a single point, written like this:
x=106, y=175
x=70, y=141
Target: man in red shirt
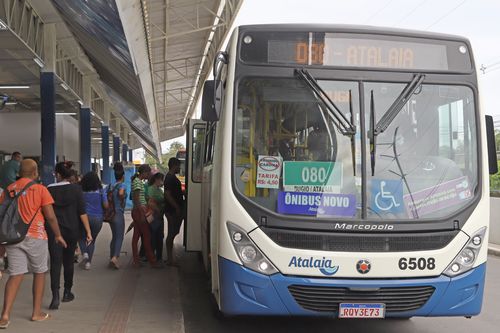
x=32, y=253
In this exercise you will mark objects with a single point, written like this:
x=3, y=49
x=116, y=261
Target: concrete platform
x=494, y=249
x=126, y=300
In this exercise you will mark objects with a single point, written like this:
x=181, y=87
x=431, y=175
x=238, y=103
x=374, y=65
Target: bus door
x=194, y=175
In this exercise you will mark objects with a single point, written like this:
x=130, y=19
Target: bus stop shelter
x=104, y=77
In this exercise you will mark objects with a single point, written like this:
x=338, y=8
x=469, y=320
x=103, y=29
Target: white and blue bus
x=341, y=171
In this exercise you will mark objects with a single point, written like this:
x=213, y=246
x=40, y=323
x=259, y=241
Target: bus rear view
x=345, y=174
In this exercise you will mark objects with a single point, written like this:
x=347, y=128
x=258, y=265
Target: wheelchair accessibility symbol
x=387, y=196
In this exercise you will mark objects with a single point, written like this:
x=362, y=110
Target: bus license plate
x=361, y=310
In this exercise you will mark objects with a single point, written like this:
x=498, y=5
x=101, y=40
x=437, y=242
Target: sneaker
x=85, y=260
x=87, y=265
x=113, y=263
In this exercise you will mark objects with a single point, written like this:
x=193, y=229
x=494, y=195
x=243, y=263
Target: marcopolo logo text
x=324, y=265
x=347, y=226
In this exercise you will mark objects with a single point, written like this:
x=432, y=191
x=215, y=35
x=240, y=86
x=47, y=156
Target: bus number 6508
x=417, y=263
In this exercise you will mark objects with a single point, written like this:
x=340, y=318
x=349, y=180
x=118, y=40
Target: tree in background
x=495, y=179
x=172, y=151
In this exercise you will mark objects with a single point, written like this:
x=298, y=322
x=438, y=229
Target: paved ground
x=128, y=300
x=177, y=300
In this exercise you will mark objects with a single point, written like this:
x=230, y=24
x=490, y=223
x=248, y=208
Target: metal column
x=48, y=115
x=125, y=152
x=116, y=148
x=85, y=142
x=105, y=154
x=130, y=155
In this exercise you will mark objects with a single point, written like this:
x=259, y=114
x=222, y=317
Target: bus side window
x=210, y=143
x=196, y=155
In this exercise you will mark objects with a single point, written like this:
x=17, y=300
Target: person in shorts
x=32, y=254
x=174, y=206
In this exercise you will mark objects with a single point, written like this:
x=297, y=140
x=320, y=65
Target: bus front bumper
x=245, y=292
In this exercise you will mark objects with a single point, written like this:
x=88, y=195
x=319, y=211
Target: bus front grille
x=327, y=299
x=343, y=242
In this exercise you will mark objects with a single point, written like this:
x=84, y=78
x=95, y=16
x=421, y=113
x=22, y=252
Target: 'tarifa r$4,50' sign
x=269, y=171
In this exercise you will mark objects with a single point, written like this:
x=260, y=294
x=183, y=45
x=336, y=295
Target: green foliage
x=495, y=183
x=172, y=151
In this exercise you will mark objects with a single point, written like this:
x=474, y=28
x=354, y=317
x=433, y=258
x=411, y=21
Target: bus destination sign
x=357, y=52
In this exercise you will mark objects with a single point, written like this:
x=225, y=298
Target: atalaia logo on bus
x=325, y=266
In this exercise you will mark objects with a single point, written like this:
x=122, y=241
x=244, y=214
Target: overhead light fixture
x=10, y=103
x=15, y=87
x=39, y=62
x=64, y=86
x=80, y=102
x=3, y=26
x=65, y=114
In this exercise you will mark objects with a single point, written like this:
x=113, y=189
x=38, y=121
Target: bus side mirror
x=492, y=151
x=213, y=90
x=208, y=110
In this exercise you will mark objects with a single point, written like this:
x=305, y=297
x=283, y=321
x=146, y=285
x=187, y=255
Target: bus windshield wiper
x=343, y=124
x=398, y=104
x=389, y=115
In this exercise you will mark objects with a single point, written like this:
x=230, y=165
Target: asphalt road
x=198, y=312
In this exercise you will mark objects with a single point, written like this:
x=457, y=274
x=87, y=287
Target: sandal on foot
x=4, y=324
x=45, y=317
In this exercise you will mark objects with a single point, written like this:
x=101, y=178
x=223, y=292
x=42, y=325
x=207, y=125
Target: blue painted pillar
x=105, y=154
x=48, y=115
x=125, y=152
x=130, y=155
x=116, y=148
x=85, y=142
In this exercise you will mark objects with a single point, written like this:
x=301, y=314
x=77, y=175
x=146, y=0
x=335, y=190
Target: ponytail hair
x=64, y=169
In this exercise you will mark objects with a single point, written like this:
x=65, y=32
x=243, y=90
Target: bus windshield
x=291, y=158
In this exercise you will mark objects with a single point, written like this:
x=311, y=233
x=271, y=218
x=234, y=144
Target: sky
x=477, y=20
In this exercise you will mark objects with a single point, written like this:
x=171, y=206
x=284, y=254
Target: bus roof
x=347, y=28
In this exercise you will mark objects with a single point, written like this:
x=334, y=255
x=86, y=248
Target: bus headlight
x=464, y=261
x=249, y=254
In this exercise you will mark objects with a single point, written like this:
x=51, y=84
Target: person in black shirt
x=174, y=205
x=69, y=208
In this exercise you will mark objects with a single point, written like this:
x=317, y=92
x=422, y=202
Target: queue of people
x=68, y=215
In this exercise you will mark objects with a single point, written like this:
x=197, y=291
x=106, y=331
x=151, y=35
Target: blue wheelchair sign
x=387, y=196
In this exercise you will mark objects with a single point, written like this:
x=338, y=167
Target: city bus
x=341, y=171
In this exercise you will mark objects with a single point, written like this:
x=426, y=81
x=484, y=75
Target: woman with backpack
x=140, y=214
x=96, y=202
x=69, y=208
x=117, y=194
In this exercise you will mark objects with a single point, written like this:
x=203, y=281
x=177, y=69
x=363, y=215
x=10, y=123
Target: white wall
x=22, y=132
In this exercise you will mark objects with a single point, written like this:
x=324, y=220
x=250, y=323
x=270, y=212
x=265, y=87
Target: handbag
x=109, y=214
